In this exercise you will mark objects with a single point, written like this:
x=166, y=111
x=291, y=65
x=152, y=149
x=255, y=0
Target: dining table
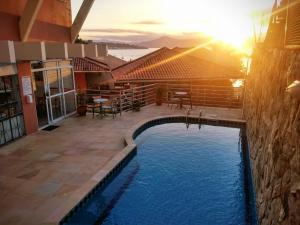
x=100, y=101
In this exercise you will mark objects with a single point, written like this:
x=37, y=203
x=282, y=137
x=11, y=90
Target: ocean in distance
x=130, y=54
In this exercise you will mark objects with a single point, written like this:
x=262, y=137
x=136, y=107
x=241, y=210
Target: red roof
x=169, y=64
x=89, y=65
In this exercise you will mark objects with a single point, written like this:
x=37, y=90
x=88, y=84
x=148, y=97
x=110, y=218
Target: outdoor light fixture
x=294, y=89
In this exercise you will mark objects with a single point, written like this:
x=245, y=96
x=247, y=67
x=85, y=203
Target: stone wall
x=273, y=129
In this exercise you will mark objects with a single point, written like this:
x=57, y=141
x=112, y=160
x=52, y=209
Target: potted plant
x=82, y=107
x=136, y=105
x=159, y=95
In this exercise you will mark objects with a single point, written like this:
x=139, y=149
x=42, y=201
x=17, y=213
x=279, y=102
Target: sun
x=228, y=21
x=228, y=31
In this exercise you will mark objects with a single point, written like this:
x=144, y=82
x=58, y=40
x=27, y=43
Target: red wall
x=80, y=80
x=52, y=24
x=29, y=110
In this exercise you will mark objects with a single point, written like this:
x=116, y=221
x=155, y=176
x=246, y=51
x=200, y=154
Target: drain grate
x=50, y=128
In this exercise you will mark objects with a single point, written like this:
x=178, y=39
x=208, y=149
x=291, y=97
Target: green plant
x=82, y=107
x=136, y=105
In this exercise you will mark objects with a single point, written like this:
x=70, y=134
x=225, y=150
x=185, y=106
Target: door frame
x=61, y=93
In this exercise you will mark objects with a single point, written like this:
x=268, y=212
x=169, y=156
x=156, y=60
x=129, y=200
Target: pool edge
x=80, y=196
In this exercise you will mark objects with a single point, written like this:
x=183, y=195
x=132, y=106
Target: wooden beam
x=80, y=18
x=28, y=17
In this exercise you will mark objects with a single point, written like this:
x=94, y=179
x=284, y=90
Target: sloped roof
x=89, y=65
x=113, y=61
x=169, y=64
x=220, y=57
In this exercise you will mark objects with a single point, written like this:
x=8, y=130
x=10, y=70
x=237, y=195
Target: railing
x=200, y=95
x=137, y=97
x=208, y=95
x=127, y=99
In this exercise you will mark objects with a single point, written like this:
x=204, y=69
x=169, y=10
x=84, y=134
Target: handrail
x=200, y=115
x=187, y=114
x=199, y=119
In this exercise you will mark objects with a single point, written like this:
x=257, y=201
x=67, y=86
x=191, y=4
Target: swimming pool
x=178, y=176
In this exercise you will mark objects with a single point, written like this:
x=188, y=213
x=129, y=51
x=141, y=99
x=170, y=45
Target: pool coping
x=102, y=177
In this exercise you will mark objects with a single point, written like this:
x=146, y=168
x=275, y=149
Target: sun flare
x=234, y=22
x=231, y=21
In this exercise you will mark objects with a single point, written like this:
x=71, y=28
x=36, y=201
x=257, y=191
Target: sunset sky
x=139, y=20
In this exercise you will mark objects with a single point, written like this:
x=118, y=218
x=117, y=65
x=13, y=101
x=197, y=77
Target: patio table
x=100, y=101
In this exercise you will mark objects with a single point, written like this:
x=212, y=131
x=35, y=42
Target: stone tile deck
x=40, y=172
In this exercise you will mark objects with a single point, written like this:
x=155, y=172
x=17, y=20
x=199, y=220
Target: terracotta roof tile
x=89, y=65
x=113, y=61
x=168, y=64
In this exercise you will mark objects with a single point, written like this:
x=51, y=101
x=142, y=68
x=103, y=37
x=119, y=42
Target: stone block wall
x=273, y=130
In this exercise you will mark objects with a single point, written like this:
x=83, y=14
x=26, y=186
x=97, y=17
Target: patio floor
x=40, y=172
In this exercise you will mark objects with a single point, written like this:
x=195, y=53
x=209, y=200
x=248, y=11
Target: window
x=11, y=116
x=293, y=25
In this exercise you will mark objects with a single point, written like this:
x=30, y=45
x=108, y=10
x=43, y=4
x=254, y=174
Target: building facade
x=37, y=84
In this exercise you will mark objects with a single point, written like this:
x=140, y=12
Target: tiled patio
x=39, y=173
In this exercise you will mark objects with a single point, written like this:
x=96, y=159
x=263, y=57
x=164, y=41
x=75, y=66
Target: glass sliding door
x=54, y=95
x=68, y=90
x=40, y=98
x=59, y=90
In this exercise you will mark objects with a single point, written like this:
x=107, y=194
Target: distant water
x=130, y=54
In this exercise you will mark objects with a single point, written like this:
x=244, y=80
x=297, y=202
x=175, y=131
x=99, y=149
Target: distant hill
x=171, y=42
x=118, y=45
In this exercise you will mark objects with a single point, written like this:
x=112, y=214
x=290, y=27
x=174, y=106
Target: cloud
x=148, y=22
x=116, y=31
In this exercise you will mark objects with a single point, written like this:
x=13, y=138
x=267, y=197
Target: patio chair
x=172, y=99
x=111, y=107
x=188, y=98
x=92, y=106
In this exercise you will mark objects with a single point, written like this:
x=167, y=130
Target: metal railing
x=136, y=97
x=199, y=95
x=127, y=99
x=207, y=95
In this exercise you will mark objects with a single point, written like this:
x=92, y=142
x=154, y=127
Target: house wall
x=29, y=109
x=273, y=129
x=80, y=80
x=95, y=80
x=52, y=24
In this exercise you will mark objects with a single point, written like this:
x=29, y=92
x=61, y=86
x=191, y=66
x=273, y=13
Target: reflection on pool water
x=179, y=176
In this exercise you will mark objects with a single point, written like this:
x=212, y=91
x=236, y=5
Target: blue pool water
x=179, y=176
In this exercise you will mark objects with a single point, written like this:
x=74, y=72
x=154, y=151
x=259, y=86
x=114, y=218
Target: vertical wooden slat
x=293, y=25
